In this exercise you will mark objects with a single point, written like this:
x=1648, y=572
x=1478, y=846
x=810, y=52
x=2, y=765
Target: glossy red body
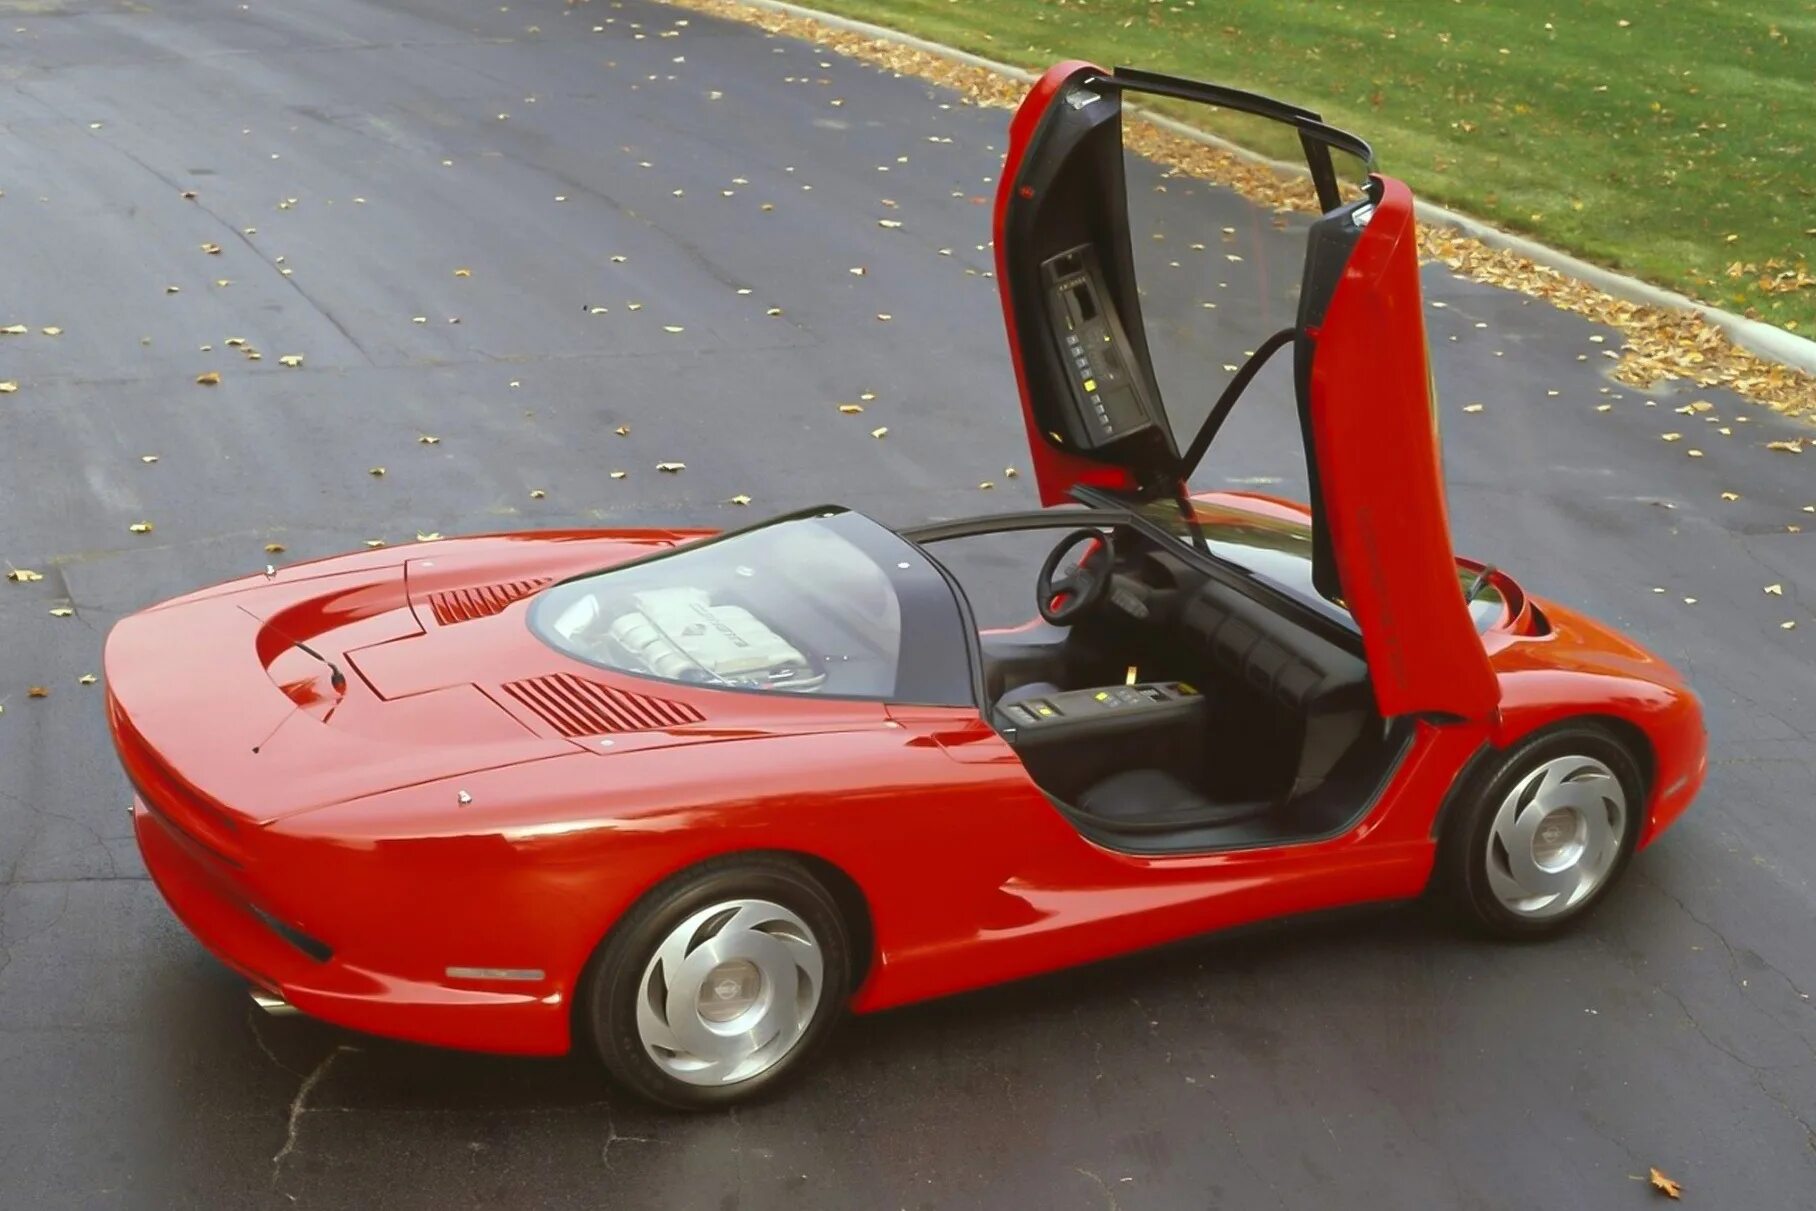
x=422, y=818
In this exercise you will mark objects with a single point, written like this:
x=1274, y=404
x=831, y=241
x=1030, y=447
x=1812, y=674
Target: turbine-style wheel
x=1544, y=831
x=719, y=982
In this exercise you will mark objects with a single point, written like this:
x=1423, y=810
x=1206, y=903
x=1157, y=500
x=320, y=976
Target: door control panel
x=1108, y=400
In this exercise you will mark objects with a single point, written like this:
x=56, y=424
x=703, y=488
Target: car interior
x=1163, y=706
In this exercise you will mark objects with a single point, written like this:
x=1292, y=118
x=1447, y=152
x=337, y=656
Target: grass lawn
x=1672, y=139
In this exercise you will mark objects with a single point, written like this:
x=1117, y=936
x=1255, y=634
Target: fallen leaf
x=1730, y=496
x=173, y=290
x=37, y=691
x=86, y=679
x=537, y=494
x=867, y=396
x=1689, y=601
x=375, y=542
x=633, y=306
x=24, y=576
x=427, y=439
x=141, y=527
x=463, y=273
x=1472, y=407
x=1794, y=446
x=1659, y=1181
x=985, y=486
x=212, y=249
x=148, y=458
x=880, y=432
x=14, y=330
x=673, y=328
x=8, y=387
x=62, y=612
x=189, y=195
x=291, y=359
x=858, y=271
x=53, y=330
x=1671, y=437
x=739, y=499
x=1776, y=590
x=375, y=471
x=891, y=224
x=1010, y=473
x=622, y=430
x=884, y=316
x=431, y=536
x=211, y=378
x=773, y=311
x=671, y=468
x=619, y=474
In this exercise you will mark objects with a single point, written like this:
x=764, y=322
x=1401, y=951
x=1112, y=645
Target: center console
x=1073, y=715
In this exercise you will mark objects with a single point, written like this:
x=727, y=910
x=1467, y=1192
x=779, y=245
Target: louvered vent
x=575, y=706
x=482, y=601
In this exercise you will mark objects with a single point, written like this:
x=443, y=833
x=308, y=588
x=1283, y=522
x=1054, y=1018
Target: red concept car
x=686, y=798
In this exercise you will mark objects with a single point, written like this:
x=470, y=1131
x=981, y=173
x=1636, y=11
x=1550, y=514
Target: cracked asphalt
x=348, y=157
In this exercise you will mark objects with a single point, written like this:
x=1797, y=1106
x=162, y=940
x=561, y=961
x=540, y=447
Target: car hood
x=331, y=681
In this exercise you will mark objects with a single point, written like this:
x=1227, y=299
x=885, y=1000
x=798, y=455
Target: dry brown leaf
x=1794, y=446
x=212, y=249
x=1010, y=473
x=141, y=527
x=211, y=378
x=24, y=576
x=274, y=548
x=375, y=471
x=851, y=409
x=62, y=612
x=37, y=691
x=1730, y=496
x=1659, y=1181
x=463, y=273
x=622, y=430
x=985, y=486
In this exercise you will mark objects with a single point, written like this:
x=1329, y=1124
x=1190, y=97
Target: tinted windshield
x=833, y=604
x=1278, y=552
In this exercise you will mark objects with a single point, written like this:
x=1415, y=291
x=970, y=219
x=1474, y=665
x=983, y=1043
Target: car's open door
x=1065, y=269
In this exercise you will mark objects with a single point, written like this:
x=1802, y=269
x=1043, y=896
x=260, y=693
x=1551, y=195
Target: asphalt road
x=348, y=158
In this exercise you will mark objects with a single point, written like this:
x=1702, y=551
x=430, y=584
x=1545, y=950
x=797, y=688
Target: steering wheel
x=1078, y=591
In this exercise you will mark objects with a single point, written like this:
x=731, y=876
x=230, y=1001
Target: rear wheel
x=720, y=983
x=1546, y=831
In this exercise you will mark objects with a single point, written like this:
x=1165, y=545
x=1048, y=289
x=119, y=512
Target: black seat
x=1139, y=800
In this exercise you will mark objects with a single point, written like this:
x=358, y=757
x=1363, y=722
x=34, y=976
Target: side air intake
x=481, y=601
x=575, y=706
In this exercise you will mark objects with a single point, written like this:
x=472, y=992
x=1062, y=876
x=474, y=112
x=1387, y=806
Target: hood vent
x=481, y=601
x=575, y=706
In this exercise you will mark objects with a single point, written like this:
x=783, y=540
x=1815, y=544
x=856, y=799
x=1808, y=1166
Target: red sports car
x=686, y=798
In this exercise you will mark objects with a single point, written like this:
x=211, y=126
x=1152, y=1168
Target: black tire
x=614, y=978
x=1463, y=850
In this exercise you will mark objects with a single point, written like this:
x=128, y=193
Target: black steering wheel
x=1063, y=601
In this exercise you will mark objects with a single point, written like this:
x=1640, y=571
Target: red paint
x=1375, y=436
x=420, y=817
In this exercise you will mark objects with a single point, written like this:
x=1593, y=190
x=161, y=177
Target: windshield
x=1275, y=550
x=832, y=604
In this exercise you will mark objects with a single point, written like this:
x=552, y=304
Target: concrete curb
x=1774, y=344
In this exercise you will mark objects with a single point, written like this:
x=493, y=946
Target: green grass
x=1679, y=147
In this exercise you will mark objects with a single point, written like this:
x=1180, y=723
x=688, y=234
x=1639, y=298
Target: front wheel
x=1547, y=829
x=719, y=983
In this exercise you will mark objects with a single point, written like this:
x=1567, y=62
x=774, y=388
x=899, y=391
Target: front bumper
x=212, y=902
